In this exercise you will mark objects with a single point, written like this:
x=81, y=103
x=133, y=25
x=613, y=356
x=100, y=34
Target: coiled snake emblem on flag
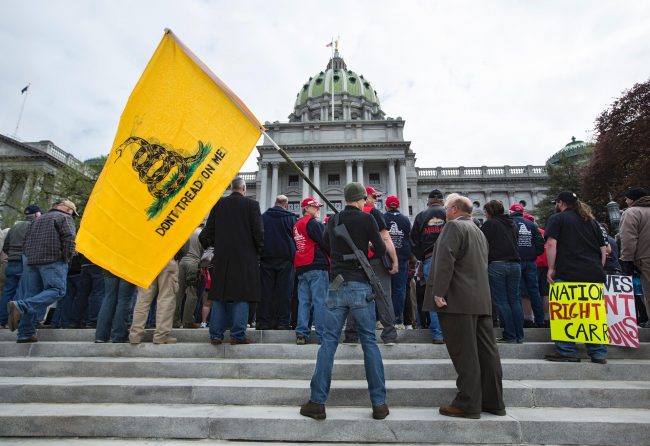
x=163, y=170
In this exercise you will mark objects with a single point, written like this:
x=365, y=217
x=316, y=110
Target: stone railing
x=249, y=177
x=482, y=172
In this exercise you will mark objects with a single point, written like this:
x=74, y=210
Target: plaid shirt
x=50, y=238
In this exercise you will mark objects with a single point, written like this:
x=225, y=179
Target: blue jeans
x=89, y=296
x=398, y=284
x=595, y=351
x=434, y=324
x=504, y=288
x=63, y=315
x=13, y=272
x=351, y=297
x=529, y=286
x=113, y=314
x=312, y=292
x=222, y=313
x=46, y=284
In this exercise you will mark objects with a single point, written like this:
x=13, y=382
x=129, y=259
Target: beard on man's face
x=557, y=208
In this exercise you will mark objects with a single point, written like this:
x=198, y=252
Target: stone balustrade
x=482, y=172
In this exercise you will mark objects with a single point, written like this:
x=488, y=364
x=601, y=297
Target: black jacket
x=501, y=234
x=234, y=228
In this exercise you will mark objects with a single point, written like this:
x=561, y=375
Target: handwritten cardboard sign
x=621, y=311
x=577, y=312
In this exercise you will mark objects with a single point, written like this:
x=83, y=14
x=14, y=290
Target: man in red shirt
x=312, y=267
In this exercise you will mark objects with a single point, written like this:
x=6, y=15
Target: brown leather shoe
x=380, y=412
x=313, y=410
x=235, y=341
x=453, y=411
x=191, y=325
x=27, y=340
x=561, y=358
x=216, y=341
x=14, y=315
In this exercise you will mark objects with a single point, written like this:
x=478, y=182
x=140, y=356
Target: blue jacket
x=529, y=240
x=399, y=228
x=278, y=235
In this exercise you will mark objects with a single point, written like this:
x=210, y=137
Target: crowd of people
x=356, y=271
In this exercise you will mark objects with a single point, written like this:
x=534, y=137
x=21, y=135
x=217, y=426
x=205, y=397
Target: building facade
x=338, y=133
x=30, y=172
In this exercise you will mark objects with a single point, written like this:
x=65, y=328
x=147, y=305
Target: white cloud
x=479, y=83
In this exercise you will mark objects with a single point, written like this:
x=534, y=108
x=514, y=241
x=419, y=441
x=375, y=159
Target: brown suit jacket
x=459, y=270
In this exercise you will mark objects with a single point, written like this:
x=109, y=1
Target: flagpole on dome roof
x=24, y=92
x=332, y=76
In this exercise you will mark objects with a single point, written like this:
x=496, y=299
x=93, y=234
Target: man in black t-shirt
x=353, y=296
x=576, y=252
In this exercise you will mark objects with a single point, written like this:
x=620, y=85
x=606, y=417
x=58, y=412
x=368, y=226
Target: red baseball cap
x=392, y=202
x=517, y=208
x=309, y=201
x=372, y=191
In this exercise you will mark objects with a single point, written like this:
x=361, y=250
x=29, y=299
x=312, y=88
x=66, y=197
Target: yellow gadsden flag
x=183, y=136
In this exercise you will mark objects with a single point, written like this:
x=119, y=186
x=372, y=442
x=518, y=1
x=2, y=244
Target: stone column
x=274, y=181
x=511, y=198
x=392, y=185
x=404, y=200
x=264, y=179
x=360, y=172
x=305, y=186
x=348, y=171
x=316, y=179
x=6, y=184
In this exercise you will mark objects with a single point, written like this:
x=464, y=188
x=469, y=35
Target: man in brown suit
x=458, y=290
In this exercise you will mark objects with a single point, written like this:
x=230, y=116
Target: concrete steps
x=200, y=335
x=66, y=386
x=282, y=423
x=272, y=392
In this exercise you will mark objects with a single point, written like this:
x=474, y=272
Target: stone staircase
x=65, y=386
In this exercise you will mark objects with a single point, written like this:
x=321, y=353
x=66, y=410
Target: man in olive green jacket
x=458, y=290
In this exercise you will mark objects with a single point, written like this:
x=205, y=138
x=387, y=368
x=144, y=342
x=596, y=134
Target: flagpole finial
x=168, y=30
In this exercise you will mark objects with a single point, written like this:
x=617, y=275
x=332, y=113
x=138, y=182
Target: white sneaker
x=408, y=327
x=399, y=327
x=378, y=326
x=204, y=325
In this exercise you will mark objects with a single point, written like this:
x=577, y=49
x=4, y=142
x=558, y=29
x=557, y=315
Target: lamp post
x=614, y=213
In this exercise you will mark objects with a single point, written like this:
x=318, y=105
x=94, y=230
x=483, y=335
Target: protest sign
x=621, y=311
x=577, y=312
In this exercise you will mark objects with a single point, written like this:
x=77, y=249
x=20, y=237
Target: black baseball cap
x=436, y=194
x=634, y=193
x=32, y=209
x=566, y=197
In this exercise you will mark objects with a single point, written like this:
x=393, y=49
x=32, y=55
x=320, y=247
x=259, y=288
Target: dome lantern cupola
x=354, y=97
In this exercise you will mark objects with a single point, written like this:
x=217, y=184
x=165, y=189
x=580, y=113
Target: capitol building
x=338, y=133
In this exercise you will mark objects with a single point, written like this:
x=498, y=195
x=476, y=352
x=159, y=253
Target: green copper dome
x=579, y=150
x=354, y=96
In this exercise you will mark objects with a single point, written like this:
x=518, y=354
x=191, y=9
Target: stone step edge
x=183, y=359
x=525, y=384
x=283, y=423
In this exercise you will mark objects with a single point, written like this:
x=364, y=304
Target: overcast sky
x=478, y=82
